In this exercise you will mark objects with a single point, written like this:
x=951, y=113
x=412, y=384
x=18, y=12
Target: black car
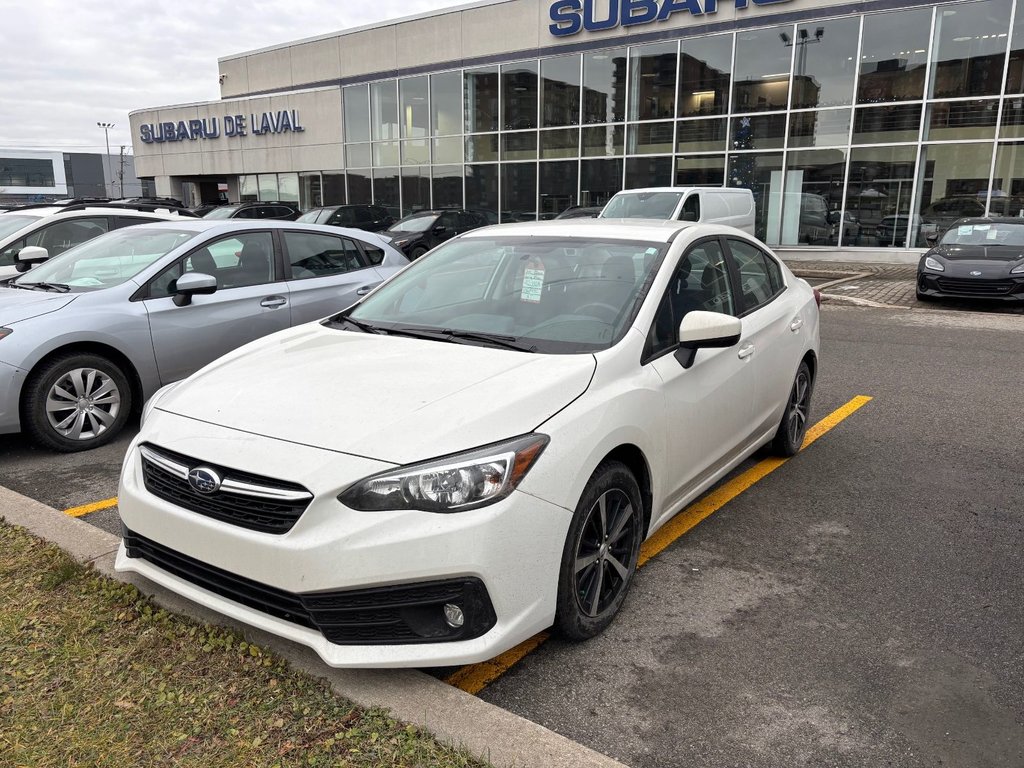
x=265, y=209
x=419, y=232
x=975, y=258
x=581, y=212
x=372, y=218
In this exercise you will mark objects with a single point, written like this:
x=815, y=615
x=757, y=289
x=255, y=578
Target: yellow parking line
x=473, y=678
x=87, y=509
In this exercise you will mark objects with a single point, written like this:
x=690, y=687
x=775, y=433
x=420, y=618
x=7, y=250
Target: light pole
x=110, y=174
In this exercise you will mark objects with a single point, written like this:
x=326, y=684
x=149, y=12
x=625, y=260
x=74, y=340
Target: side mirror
x=706, y=329
x=833, y=217
x=192, y=284
x=440, y=229
x=29, y=256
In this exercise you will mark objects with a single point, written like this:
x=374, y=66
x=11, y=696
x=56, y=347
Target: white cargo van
x=719, y=205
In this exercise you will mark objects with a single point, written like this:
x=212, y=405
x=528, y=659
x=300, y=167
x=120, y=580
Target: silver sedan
x=88, y=336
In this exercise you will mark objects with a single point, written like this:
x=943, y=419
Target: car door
x=772, y=321
x=250, y=302
x=325, y=274
x=444, y=228
x=707, y=406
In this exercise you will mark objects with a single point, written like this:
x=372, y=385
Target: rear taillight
x=817, y=297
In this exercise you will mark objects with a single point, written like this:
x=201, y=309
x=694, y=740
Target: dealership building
x=857, y=125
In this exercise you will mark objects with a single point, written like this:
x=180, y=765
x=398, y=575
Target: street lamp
x=110, y=174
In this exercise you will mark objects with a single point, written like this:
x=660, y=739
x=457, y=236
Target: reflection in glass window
x=700, y=171
x=701, y=135
x=357, y=155
x=360, y=189
x=603, y=141
x=415, y=189
x=519, y=146
x=446, y=103
x=604, y=86
x=481, y=99
x=894, y=56
x=560, y=90
x=415, y=116
x=268, y=186
x=248, y=188
x=970, y=48
x=519, y=95
x=288, y=187
x=1013, y=119
x=761, y=174
x=599, y=180
x=884, y=125
x=648, y=172
x=1008, y=186
x=416, y=152
x=386, y=189
x=954, y=183
x=357, y=112
x=518, y=191
x=652, y=78
x=310, y=191
x=763, y=59
x=1015, y=73
x=814, y=189
x=385, y=153
x=952, y=120
x=557, y=187
x=482, y=148
x=704, y=66
x=448, y=149
x=878, y=194
x=482, y=189
x=384, y=110
x=758, y=132
x=820, y=128
x=317, y=255
x=334, y=188
x=825, y=63
x=447, y=186
x=649, y=139
x=559, y=143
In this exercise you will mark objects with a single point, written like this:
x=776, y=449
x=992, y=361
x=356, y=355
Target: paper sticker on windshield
x=991, y=233
x=965, y=229
x=533, y=284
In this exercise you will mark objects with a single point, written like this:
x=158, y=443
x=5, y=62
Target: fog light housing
x=453, y=615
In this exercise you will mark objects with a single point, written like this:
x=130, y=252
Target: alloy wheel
x=798, y=407
x=82, y=404
x=604, y=552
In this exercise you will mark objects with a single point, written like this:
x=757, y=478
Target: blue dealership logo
x=572, y=16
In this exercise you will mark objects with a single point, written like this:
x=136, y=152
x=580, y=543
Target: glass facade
x=862, y=130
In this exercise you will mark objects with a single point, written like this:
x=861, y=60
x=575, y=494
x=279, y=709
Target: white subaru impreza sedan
x=477, y=449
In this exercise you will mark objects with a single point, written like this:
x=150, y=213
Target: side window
x=364, y=215
x=374, y=254
x=63, y=235
x=130, y=221
x=342, y=217
x=760, y=276
x=313, y=255
x=448, y=221
x=245, y=259
x=691, y=208
x=247, y=213
x=10, y=254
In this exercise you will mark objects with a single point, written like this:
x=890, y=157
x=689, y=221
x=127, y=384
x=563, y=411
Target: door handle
x=745, y=351
x=273, y=302
x=366, y=289
x=797, y=324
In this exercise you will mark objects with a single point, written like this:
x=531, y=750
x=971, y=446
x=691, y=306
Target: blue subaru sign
x=282, y=121
x=569, y=17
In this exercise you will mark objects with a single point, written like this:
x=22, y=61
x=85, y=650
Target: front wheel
x=76, y=402
x=600, y=554
x=793, y=427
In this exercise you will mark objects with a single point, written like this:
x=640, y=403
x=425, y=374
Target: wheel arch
x=812, y=362
x=635, y=460
x=94, y=348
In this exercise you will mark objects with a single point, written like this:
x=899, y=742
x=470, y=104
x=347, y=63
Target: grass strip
x=93, y=673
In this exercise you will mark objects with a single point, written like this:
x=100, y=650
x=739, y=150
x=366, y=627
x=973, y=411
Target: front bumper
x=11, y=381
x=940, y=285
x=512, y=548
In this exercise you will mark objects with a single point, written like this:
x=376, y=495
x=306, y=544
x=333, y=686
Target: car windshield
x=309, y=217
x=12, y=222
x=419, y=223
x=546, y=294
x=642, y=205
x=985, y=233
x=224, y=212
x=107, y=260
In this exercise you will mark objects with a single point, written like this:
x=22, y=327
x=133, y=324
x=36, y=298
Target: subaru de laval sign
x=282, y=121
x=568, y=17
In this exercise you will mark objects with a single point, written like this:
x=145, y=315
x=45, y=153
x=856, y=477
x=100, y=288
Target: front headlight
x=151, y=403
x=1015, y=271
x=934, y=264
x=453, y=483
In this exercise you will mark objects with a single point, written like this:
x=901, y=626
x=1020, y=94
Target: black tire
x=416, y=252
x=105, y=391
x=790, y=435
x=581, y=611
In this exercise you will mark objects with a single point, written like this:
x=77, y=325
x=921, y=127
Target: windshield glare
x=994, y=233
x=223, y=212
x=107, y=260
x=310, y=217
x=561, y=295
x=642, y=205
x=12, y=222
x=414, y=224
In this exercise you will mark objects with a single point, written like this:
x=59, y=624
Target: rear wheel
x=793, y=427
x=416, y=252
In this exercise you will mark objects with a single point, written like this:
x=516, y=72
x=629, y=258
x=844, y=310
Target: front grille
x=969, y=287
x=257, y=503
x=394, y=615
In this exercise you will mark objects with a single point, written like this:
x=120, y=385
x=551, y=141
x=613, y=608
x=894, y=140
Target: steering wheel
x=613, y=311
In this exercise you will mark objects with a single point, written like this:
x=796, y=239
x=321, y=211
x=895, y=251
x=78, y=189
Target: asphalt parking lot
x=861, y=605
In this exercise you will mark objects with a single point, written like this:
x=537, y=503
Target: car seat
x=715, y=286
x=253, y=265
x=202, y=261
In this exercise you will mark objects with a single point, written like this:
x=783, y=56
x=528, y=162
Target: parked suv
x=266, y=209
x=51, y=230
x=419, y=232
x=372, y=218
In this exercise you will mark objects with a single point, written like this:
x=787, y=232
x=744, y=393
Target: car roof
x=227, y=226
x=611, y=229
x=730, y=190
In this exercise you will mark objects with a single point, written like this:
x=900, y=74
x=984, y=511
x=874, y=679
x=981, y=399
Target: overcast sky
x=67, y=64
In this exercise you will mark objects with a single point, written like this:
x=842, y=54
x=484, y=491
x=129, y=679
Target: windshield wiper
x=57, y=287
x=364, y=327
x=451, y=334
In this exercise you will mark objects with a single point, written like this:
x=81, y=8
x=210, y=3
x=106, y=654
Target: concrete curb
x=453, y=716
x=853, y=301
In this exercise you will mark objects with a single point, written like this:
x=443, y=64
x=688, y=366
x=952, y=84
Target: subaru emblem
x=975, y=273
x=204, y=480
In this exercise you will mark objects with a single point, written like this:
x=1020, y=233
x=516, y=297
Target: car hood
x=996, y=253
x=17, y=304
x=394, y=399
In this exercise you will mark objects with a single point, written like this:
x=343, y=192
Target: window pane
x=385, y=189
x=648, y=172
x=25, y=172
x=288, y=187
x=416, y=152
x=825, y=63
x=359, y=190
x=762, y=175
x=248, y=188
x=961, y=120
x=700, y=171
x=970, y=48
x=607, y=140
x=599, y=180
x=519, y=96
x=482, y=148
x=310, y=191
x=357, y=113
x=557, y=187
x=312, y=255
x=762, y=70
x=821, y=128
x=448, y=150
x=481, y=99
x=652, y=81
x=561, y=143
x=560, y=90
x=446, y=103
x=482, y=189
x=1015, y=74
x=518, y=191
x=447, y=185
x=415, y=189
x=894, y=56
x=357, y=155
x=385, y=153
x=953, y=184
x=1008, y=187
x=519, y=146
x=704, y=68
x=878, y=194
x=757, y=283
x=649, y=139
x=814, y=188
x=384, y=110
x=604, y=86
x=883, y=125
x=415, y=117
x=268, y=186
x=762, y=132
x=700, y=135
x=334, y=189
